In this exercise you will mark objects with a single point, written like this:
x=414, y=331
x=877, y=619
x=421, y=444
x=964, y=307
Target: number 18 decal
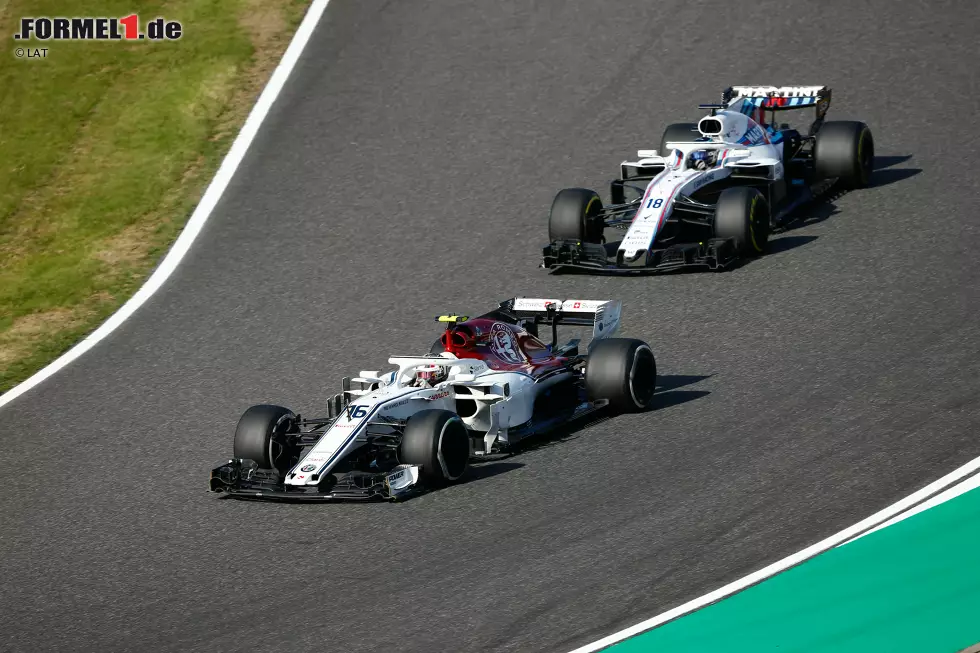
x=655, y=203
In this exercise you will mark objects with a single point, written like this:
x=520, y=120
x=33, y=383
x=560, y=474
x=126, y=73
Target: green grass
x=105, y=148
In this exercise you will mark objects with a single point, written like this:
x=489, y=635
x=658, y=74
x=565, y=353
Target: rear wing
x=602, y=315
x=778, y=98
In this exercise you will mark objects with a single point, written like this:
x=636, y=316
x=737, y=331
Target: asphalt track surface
x=406, y=170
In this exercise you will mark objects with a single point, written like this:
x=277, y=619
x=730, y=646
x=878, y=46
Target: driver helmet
x=701, y=159
x=432, y=374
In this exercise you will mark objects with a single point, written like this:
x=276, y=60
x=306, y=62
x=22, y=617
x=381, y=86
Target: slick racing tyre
x=575, y=216
x=266, y=434
x=742, y=213
x=624, y=371
x=684, y=132
x=845, y=149
x=437, y=441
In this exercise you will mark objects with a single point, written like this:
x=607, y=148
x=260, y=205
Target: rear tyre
x=437, y=441
x=623, y=371
x=266, y=434
x=681, y=131
x=845, y=149
x=742, y=213
x=575, y=216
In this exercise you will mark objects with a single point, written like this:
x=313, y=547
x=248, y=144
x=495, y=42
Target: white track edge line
x=874, y=520
x=947, y=495
x=201, y=213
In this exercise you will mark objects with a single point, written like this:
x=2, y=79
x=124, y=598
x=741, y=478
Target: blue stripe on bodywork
x=354, y=432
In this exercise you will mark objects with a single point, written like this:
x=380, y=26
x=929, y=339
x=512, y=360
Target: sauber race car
x=487, y=384
x=714, y=190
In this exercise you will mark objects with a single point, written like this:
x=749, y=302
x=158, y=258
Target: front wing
x=242, y=479
x=582, y=257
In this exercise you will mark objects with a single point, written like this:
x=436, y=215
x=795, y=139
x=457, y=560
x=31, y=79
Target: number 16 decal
x=655, y=203
x=357, y=412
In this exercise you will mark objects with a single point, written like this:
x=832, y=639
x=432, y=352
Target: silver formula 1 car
x=487, y=384
x=714, y=190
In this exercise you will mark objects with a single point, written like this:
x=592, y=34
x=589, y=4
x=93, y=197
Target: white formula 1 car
x=487, y=384
x=714, y=190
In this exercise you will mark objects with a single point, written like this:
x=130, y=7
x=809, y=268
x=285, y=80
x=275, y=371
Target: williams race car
x=487, y=384
x=715, y=190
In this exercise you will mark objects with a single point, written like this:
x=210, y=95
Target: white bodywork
x=503, y=399
x=740, y=142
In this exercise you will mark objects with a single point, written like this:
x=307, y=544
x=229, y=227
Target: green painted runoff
x=911, y=587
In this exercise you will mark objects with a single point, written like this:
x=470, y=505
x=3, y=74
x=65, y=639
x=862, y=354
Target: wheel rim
x=592, y=229
x=454, y=464
x=752, y=220
x=866, y=155
x=643, y=377
x=279, y=445
x=758, y=227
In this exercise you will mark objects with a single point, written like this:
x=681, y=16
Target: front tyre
x=742, y=213
x=437, y=441
x=845, y=149
x=575, y=216
x=266, y=434
x=623, y=371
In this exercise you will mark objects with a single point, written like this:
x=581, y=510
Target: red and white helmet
x=432, y=374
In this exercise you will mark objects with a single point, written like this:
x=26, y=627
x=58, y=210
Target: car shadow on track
x=481, y=470
x=886, y=177
x=668, y=394
x=825, y=207
x=814, y=213
x=786, y=243
x=777, y=245
x=882, y=162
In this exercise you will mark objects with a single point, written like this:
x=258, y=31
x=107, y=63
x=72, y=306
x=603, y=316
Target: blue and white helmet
x=701, y=159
